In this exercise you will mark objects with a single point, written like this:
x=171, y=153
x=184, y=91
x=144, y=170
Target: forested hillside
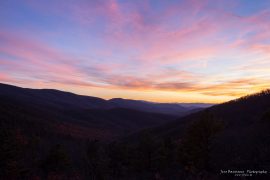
x=49, y=141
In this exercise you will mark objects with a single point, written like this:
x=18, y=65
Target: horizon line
x=107, y=99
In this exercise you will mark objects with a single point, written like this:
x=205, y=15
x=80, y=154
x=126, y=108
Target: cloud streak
x=213, y=49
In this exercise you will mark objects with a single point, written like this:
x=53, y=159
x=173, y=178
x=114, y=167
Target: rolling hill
x=44, y=129
x=243, y=142
x=72, y=114
x=66, y=100
x=241, y=113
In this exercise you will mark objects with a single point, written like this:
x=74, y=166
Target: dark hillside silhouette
x=66, y=100
x=49, y=134
x=242, y=142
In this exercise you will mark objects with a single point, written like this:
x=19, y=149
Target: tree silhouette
x=196, y=145
x=146, y=150
x=165, y=154
x=266, y=117
x=94, y=160
x=11, y=165
x=57, y=160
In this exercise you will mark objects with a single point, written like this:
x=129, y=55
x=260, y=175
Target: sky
x=207, y=51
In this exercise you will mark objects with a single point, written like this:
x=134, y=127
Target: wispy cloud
x=211, y=48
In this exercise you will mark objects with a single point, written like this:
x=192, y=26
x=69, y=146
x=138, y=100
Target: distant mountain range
x=244, y=141
x=130, y=136
x=85, y=116
x=238, y=115
x=178, y=109
x=61, y=99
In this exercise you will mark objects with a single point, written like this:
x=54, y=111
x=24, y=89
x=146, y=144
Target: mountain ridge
x=68, y=113
x=241, y=113
x=83, y=101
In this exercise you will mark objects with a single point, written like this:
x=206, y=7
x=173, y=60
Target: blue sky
x=165, y=51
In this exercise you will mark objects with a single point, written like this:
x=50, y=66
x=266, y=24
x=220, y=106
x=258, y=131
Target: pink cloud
x=137, y=44
x=6, y=78
x=38, y=59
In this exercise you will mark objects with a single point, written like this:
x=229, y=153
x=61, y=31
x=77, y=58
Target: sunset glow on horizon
x=207, y=51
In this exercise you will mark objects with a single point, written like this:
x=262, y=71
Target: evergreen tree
x=57, y=160
x=165, y=154
x=11, y=161
x=146, y=149
x=94, y=160
x=196, y=145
